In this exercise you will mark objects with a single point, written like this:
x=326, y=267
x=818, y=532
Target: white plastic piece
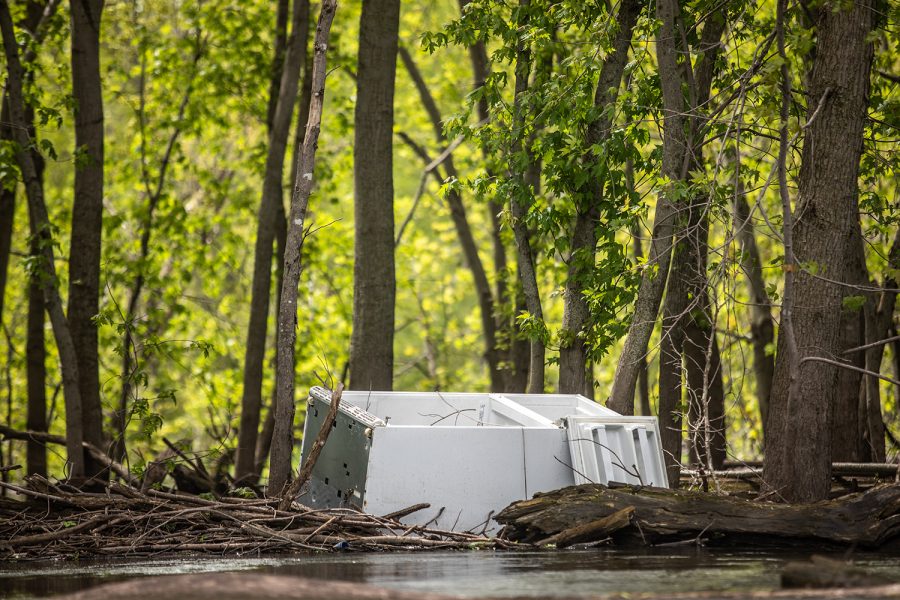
x=616, y=449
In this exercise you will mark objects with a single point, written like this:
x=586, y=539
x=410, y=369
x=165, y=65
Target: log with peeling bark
x=590, y=513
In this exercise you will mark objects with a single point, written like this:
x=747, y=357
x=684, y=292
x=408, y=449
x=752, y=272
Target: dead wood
x=306, y=470
x=96, y=453
x=62, y=521
x=869, y=519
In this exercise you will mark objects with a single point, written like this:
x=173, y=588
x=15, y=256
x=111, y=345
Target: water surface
x=464, y=573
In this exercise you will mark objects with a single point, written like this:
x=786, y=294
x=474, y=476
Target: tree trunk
x=879, y=320
x=463, y=230
x=671, y=409
x=41, y=224
x=515, y=374
x=519, y=204
x=283, y=439
x=762, y=327
x=573, y=351
x=264, y=443
x=374, y=283
x=653, y=277
x=798, y=452
x=848, y=424
x=36, y=375
x=706, y=396
x=87, y=217
x=271, y=204
x=7, y=214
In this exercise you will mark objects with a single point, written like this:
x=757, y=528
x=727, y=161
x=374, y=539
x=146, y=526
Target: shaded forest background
x=567, y=196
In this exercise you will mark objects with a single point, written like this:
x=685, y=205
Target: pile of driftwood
x=61, y=522
x=655, y=516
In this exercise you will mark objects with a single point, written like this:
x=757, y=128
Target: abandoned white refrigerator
x=470, y=455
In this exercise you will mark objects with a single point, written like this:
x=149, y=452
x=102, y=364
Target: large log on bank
x=589, y=513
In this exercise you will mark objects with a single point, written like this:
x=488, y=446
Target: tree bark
x=798, y=452
x=573, y=351
x=271, y=204
x=374, y=282
x=671, y=408
x=674, y=168
x=41, y=224
x=283, y=442
x=848, y=426
x=87, y=217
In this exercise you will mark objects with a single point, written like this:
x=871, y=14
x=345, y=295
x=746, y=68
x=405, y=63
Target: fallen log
x=660, y=515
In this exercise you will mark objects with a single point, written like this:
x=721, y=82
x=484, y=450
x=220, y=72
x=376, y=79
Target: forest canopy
x=681, y=208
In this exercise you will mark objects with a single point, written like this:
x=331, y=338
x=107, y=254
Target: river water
x=463, y=573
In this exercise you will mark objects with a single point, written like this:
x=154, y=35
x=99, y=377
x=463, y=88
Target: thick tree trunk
x=762, y=327
x=374, y=281
x=271, y=205
x=41, y=224
x=283, y=439
x=798, y=451
x=573, y=351
x=87, y=217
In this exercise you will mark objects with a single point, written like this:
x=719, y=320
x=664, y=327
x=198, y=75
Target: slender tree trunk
x=264, y=443
x=879, y=320
x=519, y=205
x=41, y=224
x=7, y=214
x=706, y=411
x=515, y=375
x=283, y=443
x=87, y=217
x=463, y=231
x=573, y=352
x=374, y=281
x=35, y=351
x=271, y=205
x=653, y=277
x=798, y=451
x=848, y=426
x=762, y=327
x=36, y=376
x=643, y=382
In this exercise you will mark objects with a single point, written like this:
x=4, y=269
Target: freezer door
x=620, y=449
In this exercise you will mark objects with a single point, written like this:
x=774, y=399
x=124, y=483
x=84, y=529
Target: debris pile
x=58, y=521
